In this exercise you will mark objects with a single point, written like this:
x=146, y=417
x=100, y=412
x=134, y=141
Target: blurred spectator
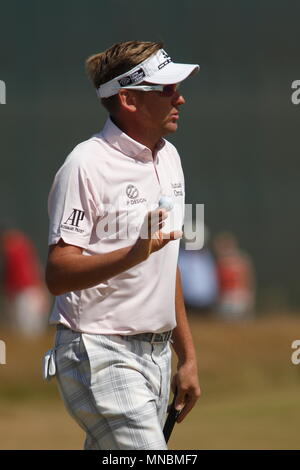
x=198, y=277
x=26, y=298
x=236, y=278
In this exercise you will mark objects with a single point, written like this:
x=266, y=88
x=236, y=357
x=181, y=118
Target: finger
x=157, y=213
x=187, y=408
x=175, y=235
x=158, y=235
x=151, y=223
x=180, y=399
x=155, y=218
x=163, y=214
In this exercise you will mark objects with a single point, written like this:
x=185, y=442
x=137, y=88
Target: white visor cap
x=158, y=69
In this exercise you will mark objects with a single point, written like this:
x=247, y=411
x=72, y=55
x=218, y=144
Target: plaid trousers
x=115, y=387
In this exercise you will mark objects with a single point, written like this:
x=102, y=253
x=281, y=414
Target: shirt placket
x=162, y=179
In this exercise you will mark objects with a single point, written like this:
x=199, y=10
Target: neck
x=137, y=132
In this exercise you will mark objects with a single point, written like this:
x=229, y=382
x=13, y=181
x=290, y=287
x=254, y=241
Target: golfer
x=112, y=262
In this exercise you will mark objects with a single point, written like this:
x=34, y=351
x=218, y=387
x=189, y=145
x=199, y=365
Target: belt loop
x=161, y=337
x=152, y=340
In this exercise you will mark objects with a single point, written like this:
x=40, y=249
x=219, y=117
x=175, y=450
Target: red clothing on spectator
x=233, y=273
x=21, y=268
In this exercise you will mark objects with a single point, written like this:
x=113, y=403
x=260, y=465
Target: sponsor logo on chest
x=133, y=193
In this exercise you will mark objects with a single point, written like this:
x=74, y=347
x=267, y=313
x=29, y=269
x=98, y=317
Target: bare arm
x=186, y=378
x=68, y=269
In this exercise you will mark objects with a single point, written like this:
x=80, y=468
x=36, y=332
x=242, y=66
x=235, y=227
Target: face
x=159, y=111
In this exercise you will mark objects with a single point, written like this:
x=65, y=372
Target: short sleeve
x=73, y=206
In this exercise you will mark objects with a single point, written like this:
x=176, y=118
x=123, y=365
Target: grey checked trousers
x=115, y=387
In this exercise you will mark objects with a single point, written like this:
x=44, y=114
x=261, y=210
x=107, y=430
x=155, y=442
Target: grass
x=250, y=391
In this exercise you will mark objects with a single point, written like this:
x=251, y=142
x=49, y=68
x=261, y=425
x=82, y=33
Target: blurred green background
x=238, y=135
x=238, y=139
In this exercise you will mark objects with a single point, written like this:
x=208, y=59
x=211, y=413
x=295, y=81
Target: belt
x=150, y=337
x=153, y=337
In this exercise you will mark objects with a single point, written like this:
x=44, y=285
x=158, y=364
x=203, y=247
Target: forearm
x=75, y=271
x=186, y=378
x=182, y=337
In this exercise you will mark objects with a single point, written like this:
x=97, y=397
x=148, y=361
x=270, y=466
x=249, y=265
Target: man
x=119, y=297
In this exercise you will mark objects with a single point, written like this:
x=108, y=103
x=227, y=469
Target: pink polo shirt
x=98, y=201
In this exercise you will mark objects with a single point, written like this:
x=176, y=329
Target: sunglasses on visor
x=165, y=90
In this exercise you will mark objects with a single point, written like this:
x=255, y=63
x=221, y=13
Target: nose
x=178, y=99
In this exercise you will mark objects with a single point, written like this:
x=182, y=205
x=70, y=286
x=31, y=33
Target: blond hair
x=115, y=61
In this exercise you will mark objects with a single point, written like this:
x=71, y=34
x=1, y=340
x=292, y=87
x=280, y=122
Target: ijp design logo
x=2, y=92
x=132, y=191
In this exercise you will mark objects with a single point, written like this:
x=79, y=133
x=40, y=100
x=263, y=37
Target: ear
x=127, y=100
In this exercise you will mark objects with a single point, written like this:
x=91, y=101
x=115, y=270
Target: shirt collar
x=125, y=144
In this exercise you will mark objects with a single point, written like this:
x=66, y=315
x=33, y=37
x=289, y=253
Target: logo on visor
x=125, y=81
x=165, y=62
x=134, y=77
